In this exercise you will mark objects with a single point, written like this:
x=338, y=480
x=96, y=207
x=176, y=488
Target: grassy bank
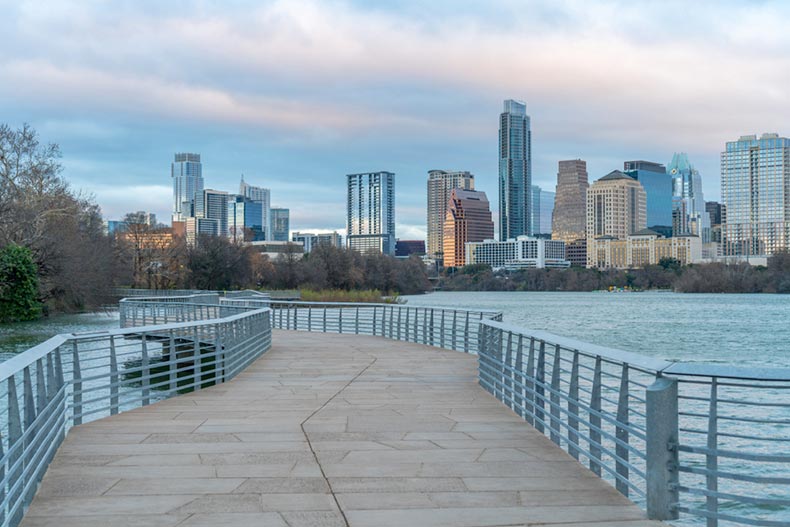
x=341, y=295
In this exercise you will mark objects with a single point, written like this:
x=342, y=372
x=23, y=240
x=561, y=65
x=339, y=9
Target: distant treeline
x=698, y=278
x=217, y=263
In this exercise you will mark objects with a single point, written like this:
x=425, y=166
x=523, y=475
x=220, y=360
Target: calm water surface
x=16, y=338
x=716, y=328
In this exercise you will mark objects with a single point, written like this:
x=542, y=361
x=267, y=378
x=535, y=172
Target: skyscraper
x=468, y=220
x=440, y=185
x=689, y=216
x=616, y=208
x=546, y=211
x=515, y=171
x=280, y=224
x=569, y=220
x=263, y=196
x=370, y=218
x=755, y=189
x=244, y=220
x=534, y=209
x=213, y=205
x=186, y=172
x=658, y=189
x=542, y=209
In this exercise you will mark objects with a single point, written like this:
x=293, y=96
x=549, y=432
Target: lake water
x=16, y=338
x=714, y=328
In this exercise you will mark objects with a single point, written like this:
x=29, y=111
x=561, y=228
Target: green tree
x=18, y=285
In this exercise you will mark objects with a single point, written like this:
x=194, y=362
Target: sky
x=296, y=94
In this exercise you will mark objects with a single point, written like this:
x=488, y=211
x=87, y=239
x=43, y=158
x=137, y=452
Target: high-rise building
x=616, y=208
x=515, y=171
x=569, y=218
x=755, y=189
x=280, y=224
x=468, y=220
x=186, y=172
x=689, y=216
x=440, y=184
x=214, y=205
x=197, y=227
x=542, y=209
x=658, y=189
x=534, y=206
x=263, y=196
x=714, y=210
x=244, y=220
x=370, y=218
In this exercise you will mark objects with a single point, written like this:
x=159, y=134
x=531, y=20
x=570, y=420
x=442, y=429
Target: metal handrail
x=734, y=474
x=75, y=378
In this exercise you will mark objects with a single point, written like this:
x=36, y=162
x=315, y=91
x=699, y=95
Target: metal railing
x=455, y=329
x=707, y=441
x=75, y=378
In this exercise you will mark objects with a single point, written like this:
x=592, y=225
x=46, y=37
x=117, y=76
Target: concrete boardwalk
x=326, y=430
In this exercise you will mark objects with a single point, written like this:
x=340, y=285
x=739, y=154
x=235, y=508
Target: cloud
x=303, y=92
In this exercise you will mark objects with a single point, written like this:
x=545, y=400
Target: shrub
x=18, y=285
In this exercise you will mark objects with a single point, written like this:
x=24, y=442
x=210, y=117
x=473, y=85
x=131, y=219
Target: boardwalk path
x=326, y=430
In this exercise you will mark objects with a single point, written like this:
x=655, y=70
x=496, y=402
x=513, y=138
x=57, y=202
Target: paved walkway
x=326, y=430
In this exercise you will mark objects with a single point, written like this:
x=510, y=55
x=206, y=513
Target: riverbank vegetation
x=18, y=285
x=668, y=275
x=340, y=295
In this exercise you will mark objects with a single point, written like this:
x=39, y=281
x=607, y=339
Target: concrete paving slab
x=326, y=431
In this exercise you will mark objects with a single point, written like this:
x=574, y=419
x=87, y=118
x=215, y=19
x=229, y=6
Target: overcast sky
x=296, y=94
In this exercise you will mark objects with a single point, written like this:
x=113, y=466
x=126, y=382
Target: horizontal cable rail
x=75, y=378
x=711, y=442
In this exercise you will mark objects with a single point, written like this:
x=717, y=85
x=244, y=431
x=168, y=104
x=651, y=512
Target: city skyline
x=124, y=88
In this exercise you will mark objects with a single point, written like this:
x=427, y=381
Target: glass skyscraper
x=658, y=187
x=186, y=173
x=280, y=224
x=244, y=220
x=370, y=218
x=515, y=171
x=689, y=216
x=263, y=196
x=755, y=189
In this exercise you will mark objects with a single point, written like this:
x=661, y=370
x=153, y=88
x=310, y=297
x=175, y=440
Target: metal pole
x=662, y=453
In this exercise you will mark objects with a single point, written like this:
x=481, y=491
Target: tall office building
x=616, y=208
x=280, y=224
x=263, y=196
x=468, y=220
x=214, y=206
x=515, y=171
x=244, y=220
x=440, y=184
x=658, y=189
x=542, y=209
x=186, y=172
x=689, y=216
x=534, y=206
x=755, y=189
x=716, y=214
x=569, y=219
x=370, y=218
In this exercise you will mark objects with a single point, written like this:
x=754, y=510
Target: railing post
x=391, y=320
x=555, y=426
x=218, y=362
x=507, y=376
x=113, y=378
x=356, y=321
x=595, y=420
x=145, y=373
x=621, y=433
x=76, y=385
x=530, y=383
x=662, y=453
x=518, y=400
x=441, y=331
x=540, y=392
x=197, y=369
x=173, y=360
x=466, y=333
x=455, y=327
x=573, y=409
x=400, y=310
x=711, y=458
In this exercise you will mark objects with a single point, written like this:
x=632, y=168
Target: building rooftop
x=615, y=174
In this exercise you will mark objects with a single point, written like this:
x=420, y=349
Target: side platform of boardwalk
x=326, y=430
